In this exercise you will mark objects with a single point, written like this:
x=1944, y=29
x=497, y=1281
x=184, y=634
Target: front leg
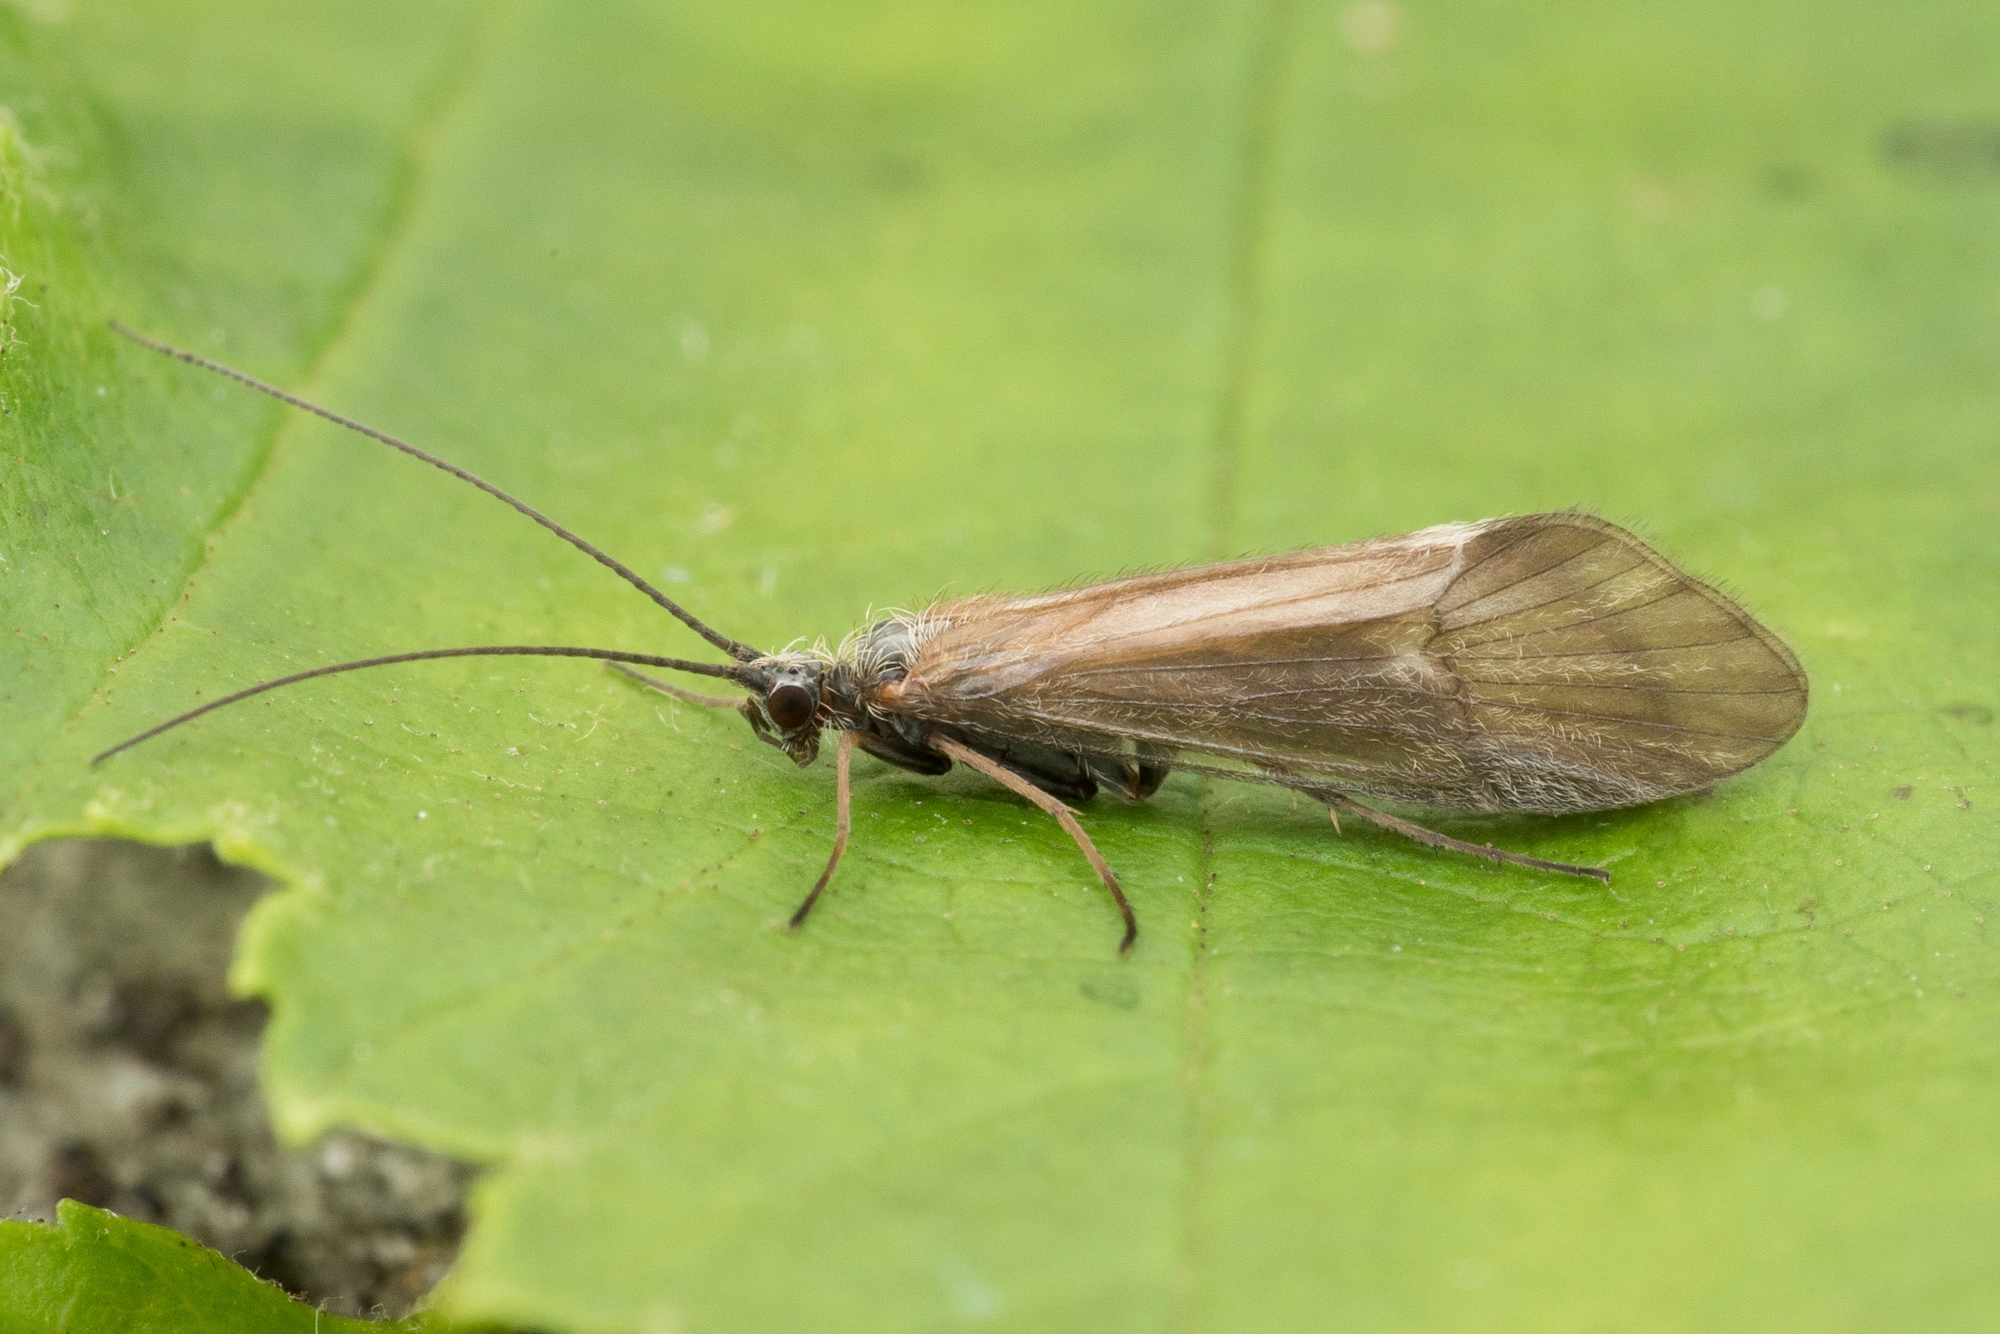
x=843, y=823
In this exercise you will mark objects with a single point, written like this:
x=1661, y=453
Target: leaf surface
x=93, y=1271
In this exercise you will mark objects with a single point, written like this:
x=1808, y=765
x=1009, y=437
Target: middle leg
x=1015, y=782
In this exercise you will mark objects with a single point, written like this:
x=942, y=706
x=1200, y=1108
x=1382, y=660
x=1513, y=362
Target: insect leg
x=686, y=696
x=1014, y=782
x=842, y=813
x=1336, y=802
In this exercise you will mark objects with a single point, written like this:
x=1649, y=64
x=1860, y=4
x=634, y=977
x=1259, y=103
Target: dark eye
x=791, y=706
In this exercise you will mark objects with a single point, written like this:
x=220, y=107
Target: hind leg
x=1337, y=802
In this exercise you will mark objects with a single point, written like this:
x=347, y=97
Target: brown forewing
x=1549, y=663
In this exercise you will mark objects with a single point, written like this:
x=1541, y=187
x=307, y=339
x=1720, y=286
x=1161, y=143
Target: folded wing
x=1547, y=663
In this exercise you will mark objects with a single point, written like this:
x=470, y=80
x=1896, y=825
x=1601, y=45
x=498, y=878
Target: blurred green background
x=802, y=308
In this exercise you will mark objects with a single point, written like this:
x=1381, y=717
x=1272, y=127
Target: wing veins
x=1182, y=742
x=1615, y=685
x=1614, y=718
x=1593, y=652
x=1524, y=537
x=1228, y=666
x=1267, y=604
x=1592, y=620
x=1518, y=611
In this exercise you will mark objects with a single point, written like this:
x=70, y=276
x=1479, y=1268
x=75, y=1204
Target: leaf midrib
x=1262, y=104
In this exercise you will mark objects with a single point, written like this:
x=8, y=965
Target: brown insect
x=1551, y=663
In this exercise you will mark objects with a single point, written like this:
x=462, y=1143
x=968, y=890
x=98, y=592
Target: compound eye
x=791, y=707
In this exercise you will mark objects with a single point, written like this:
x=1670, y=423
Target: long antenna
x=739, y=651
x=731, y=673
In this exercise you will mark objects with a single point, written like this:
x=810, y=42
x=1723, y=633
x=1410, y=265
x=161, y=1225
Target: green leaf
x=92, y=1270
x=796, y=307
